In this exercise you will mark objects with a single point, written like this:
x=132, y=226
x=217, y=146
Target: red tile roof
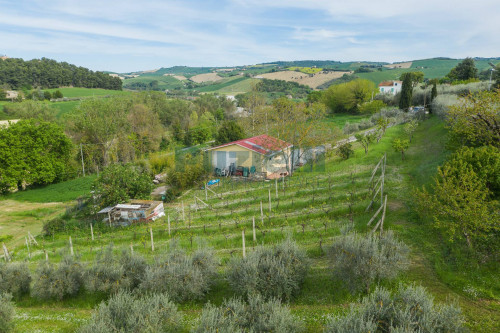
x=388, y=83
x=262, y=144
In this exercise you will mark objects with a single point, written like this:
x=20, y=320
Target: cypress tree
x=406, y=92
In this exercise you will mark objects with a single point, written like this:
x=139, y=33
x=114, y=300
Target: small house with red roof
x=390, y=87
x=262, y=154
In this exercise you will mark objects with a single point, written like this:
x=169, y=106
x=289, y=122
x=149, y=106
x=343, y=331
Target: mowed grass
x=61, y=192
x=312, y=208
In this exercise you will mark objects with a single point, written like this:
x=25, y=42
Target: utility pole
x=81, y=154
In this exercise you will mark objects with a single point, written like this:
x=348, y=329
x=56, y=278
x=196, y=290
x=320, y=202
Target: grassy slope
x=88, y=92
x=321, y=295
x=240, y=87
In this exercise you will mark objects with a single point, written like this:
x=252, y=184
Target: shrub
x=108, y=274
x=257, y=315
x=350, y=128
x=54, y=226
x=360, y=260
x=441, y=103
x=125, y=313
x=345, y=150
x=364, y=124
x=134, y=269
x=6, y=313
x=271, y=272
x=53, y=282
x=15, y=279
x=183, y=277
x=410, y=309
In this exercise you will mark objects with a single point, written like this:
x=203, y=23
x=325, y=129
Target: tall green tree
x=465, y=70
x=228, y=132
x=406, y=92
x=119, y=183
x=33, y=152
x=476, y=120
x=348, y=97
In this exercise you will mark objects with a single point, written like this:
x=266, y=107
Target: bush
x=106, y=274
x=350, y=128
x=6, y=313
x=183, y=277
x=360, y=260
x=15, y=279
x=441, y=103
x=345, y=150
x=364, y=124
x=53, y=282
x=125, y=313
x=271, y=272
x=410, y=309
x=54, y=226
x=257, y=315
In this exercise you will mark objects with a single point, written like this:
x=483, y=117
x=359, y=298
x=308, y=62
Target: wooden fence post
x=276, y=184
x=6, y=252
x=92, y=231
x=183, y=216
x=131, y=248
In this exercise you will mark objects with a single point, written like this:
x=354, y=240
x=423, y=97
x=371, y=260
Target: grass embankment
x=312, y=207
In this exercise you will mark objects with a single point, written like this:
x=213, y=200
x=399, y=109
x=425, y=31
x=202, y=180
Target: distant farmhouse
x=390, y=87
x=261, y=155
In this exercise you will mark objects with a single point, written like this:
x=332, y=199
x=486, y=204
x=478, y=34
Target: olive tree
x=409, y=309
x=361, y=260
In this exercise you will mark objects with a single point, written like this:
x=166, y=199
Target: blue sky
x=132, y=35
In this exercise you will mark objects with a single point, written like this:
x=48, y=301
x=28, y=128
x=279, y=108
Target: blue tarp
x=213, y=182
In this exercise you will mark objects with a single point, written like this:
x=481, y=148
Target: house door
x=232, y=158
x=221, y=159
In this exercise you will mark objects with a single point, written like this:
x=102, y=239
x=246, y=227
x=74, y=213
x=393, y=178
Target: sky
x=131, y=35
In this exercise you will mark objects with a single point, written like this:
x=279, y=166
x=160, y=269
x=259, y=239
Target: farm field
x=208, y=77
x=239, y=87
x=227, y=84
x=312, y=207
x=399, y=65
x=312, y=81
x=164, y=82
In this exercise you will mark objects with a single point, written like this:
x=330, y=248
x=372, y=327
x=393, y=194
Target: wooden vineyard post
x=206, y=193
x=383, y=216
x=261, y=214
x=6, y=254
x=28, y=246
x=46, y=255
x=152, y=241
x=71, y=246
x=269, y=200
x=253, y=229
x=92, y=231
x=183, y=216
x=168, y=220
x=276, y=185
x=131, y=248
x=243, y=242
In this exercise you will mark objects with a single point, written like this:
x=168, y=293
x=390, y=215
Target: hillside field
x=311, y=206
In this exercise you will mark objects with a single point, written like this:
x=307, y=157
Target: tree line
x=47, y=73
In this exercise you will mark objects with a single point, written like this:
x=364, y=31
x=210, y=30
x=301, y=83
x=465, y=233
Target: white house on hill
x=390, y=87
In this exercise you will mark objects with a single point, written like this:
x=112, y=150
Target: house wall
x=277, y=163
x=244, y=157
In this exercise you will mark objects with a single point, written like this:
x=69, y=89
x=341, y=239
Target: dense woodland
x=46, y=73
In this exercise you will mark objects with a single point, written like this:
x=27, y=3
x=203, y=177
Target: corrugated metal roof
x=125, y=206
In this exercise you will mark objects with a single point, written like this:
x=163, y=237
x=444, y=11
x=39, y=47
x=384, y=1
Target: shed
x=133, y=212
